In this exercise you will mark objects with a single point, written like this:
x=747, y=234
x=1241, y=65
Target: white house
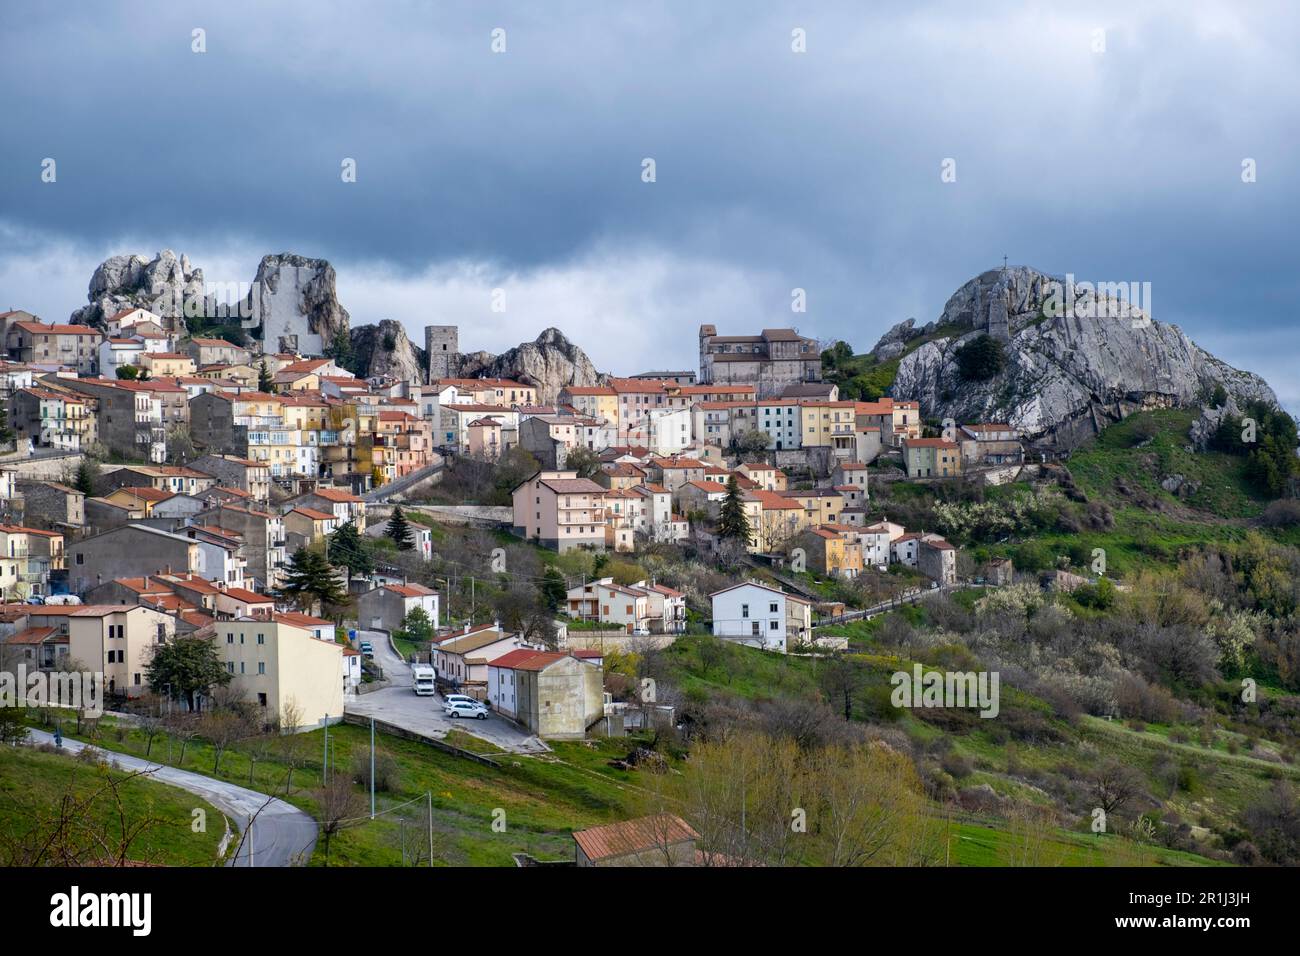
x=752, y=614
x=115, y=353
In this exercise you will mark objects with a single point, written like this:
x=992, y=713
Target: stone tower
x=442, y=342
x=707, y=332
x=999, y=323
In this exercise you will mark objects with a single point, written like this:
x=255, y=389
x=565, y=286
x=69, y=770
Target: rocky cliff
x=293, y=307
x=550, y=363
x=386, y=350
x=1071, y=366
x=162, y=285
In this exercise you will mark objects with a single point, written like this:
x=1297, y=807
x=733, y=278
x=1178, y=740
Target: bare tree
x=1115, y=785
x=291, y=744
x=221, y=727
x=339, y=807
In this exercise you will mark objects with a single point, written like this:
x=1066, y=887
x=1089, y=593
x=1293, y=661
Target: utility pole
x=429, y=795
x=372, y=768
x=325, y=761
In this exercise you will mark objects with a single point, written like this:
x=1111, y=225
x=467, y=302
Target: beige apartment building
x=118, y=640
x=277, y=665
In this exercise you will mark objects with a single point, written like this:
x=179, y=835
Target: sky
x=1106, y=140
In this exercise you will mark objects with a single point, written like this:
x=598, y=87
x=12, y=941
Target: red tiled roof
x=409, y=590
x=526, y=659
x=633, y=836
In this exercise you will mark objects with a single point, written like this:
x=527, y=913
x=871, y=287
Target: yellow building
x=828, y=425
x=280, y=666
x=594, y=401
x=167, y=364
x=835, y=554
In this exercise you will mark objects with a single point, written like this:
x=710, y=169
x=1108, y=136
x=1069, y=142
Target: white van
x=424, y=678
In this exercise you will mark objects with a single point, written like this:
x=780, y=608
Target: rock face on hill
x=550, y=363
x=162, y=285
x=385, y=350
x=1073, y=364
x=293, y=306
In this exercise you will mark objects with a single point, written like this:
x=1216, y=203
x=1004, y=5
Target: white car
x=465, y=708
x=448, y=698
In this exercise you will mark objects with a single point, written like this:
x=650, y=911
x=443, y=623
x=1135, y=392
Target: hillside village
x=339, y=547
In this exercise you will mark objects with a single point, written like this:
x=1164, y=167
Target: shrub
x=386, y=772
x=980, y=359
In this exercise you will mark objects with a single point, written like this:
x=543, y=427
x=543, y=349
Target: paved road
x=282, y=834
x=398, y=704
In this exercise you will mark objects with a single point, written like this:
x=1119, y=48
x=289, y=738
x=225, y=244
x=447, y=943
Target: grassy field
x=32, y=782
x=542, y=800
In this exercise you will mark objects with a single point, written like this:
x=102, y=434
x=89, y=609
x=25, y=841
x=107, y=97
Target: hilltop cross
x=1004, y=263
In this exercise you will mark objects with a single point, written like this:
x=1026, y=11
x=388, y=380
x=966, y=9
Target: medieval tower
x=442, y=342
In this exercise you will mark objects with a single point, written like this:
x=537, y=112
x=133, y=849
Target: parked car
x=367, y=649
x=465, y=708
x=448, y=698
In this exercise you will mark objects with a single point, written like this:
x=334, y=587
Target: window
x=744, y=610
x=772, y=608
x=261, y=667
x=81, y=558
x=754, y=629
x=774, y=625
x=230, y=638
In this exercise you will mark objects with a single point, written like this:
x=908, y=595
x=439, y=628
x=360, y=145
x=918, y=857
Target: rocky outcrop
x=163, y=285
x=894, y=342
x=1068, y=372
x=385, y=351
x=293, y=306
x=550, y=363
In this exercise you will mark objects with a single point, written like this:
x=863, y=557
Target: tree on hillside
x=186, y=668
x=835, y=356
x=340, y=350
x=733, y=525
x=309, y=578
x=1270, y=457
x=554, y=590
x=582, y=460
x=347, y=550
x=416, y=626
x=180, y=444
x=87, y=478
x=128, y=373
x=981, y=358
x=265, y=383
x=752, y=443
x=6, y=433
x=399, y=530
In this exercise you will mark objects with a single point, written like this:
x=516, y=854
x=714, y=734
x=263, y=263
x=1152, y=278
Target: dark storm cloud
x=818, y=170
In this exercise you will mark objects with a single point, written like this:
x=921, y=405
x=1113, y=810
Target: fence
x=434, y=742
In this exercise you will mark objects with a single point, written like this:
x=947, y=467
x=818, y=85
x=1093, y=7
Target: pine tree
x=553, y=589
x=186, y=666
x=264, y=381
x=399, y=530
x=6, y=433
x=309, y=578
x=87, y=479
x=347, y=550
x=732, y=522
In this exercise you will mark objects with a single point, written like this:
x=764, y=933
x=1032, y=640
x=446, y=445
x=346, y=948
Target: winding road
x=282, y=834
